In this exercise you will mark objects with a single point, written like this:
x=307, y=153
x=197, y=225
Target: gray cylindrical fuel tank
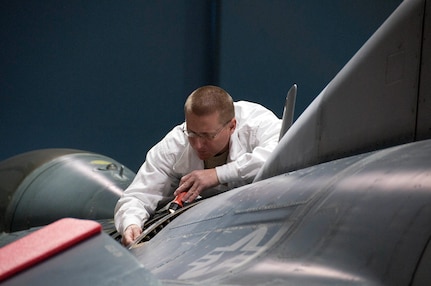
x=39, y=187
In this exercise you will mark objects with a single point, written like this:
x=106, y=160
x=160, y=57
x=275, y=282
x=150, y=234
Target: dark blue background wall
x=112, y=76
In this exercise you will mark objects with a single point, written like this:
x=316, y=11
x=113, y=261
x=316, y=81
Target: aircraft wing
x=360, y=220
x=68, y=252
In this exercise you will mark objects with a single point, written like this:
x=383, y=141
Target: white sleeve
x=260, y=138
x=154, y=182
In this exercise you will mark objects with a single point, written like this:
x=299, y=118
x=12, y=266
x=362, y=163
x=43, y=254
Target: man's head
x=210, y=120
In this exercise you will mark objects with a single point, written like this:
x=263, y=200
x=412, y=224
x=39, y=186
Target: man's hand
x=131, y=234
x=196, y=182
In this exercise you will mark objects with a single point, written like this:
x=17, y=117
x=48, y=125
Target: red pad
x=43, y=243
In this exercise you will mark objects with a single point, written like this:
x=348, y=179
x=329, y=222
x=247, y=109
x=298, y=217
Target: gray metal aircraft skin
x=381, y=98
x=42, y=186
x=345, y=199
x=351, y=221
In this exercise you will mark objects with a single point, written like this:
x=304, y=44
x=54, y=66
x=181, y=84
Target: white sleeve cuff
x=227, y=173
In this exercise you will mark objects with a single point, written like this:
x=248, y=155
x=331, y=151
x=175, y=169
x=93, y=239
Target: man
x=221, y=145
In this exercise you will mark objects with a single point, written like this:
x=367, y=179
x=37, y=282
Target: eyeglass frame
x=207, y=136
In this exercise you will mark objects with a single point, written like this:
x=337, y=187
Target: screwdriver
x=177, y=203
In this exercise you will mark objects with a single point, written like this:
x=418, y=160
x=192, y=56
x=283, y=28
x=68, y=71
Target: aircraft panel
x=424, y=104
x=96, y=261
x=371, y=104
x=358, y=220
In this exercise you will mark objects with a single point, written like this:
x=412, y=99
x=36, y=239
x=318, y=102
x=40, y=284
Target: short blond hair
x=209, y=99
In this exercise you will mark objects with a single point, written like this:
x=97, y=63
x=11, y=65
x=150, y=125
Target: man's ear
x=232, y=125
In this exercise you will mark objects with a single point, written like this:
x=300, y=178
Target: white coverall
x=255, y=137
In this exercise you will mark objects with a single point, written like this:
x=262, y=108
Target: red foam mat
x=43, y=243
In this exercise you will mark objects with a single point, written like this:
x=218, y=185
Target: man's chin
x=204, y=156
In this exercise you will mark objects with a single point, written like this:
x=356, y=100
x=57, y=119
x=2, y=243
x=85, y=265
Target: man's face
x=207, y=136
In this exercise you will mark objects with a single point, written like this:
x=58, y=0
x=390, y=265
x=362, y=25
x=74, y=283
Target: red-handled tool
x=177, y=203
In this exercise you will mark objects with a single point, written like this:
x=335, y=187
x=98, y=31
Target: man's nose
x=199, y=142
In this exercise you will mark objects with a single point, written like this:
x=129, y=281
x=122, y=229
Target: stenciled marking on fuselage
x=234, y=255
